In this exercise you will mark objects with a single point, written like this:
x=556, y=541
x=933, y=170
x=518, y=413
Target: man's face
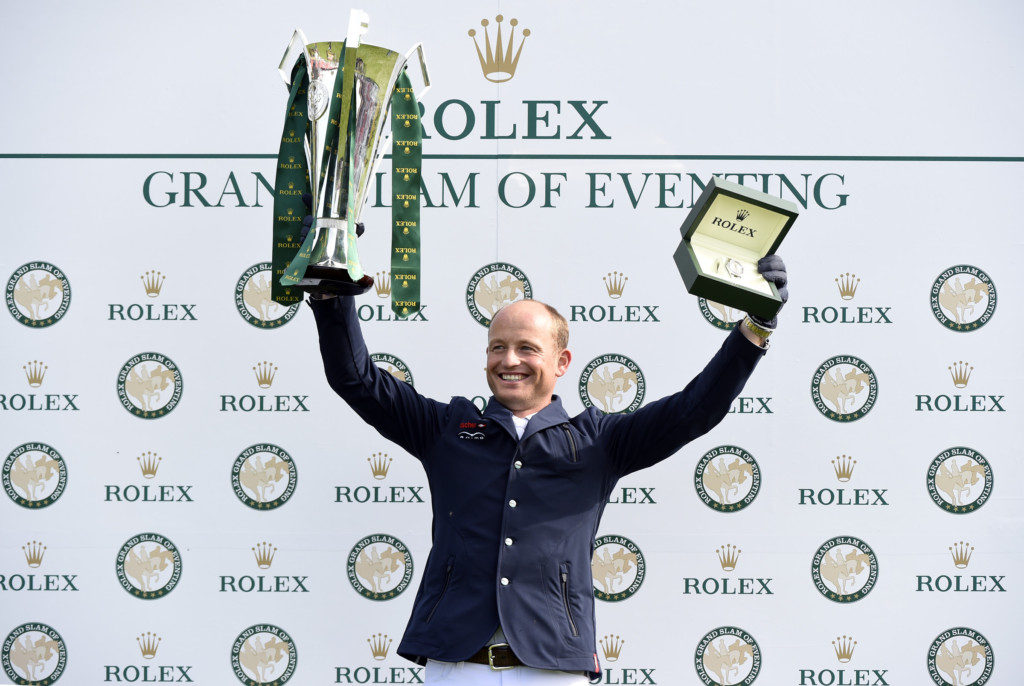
x=523, y=362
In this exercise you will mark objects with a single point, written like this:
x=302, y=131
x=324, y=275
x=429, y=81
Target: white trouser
x=472, y=674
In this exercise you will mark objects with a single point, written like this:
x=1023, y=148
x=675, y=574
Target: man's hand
x=773, y=269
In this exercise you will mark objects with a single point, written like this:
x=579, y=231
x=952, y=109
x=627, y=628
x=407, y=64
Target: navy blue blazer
x=514, y=520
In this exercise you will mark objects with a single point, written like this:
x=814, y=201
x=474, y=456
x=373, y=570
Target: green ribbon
x=406, y=158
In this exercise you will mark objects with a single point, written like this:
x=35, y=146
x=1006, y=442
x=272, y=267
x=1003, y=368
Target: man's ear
x=564, y=358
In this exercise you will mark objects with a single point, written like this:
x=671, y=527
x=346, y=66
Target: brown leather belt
x=497, y=656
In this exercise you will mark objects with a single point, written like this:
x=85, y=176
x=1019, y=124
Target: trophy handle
x=296, y=47
x=418, y=49
x=358, y=25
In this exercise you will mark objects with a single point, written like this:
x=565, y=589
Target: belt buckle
x=490, y=656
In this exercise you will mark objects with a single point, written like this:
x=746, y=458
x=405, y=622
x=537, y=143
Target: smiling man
x=517, y=500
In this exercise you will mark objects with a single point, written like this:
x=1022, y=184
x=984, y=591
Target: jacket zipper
x=572, y=442
x=565, y=599
x=444, y=588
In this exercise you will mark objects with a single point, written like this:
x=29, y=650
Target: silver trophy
x=340, y=170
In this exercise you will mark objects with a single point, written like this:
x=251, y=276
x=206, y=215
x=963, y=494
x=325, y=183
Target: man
x=517, y=491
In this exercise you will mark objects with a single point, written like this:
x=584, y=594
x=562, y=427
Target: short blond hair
x=559, y=329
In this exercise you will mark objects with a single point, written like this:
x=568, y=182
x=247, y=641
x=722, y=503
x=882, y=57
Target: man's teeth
x=512, y=377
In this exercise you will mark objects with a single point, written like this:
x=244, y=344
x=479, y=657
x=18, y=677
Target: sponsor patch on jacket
x=472, y=431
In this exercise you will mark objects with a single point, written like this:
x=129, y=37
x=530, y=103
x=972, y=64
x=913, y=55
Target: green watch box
x=728, y=230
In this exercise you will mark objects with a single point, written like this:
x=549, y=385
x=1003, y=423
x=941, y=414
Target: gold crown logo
x=379, y=645
x=148, y=643
x=847, y=285
x=961, y=373
x=843, y=466
x=844, y=645
x=379, y=465
x=291, y=184
x=34, y=551
x=612, y=647
x=498, y=65
x=34, y=372
x=265, y=373
x=742, y=214
x=728, y=556
x=149, y=463
x=383, y=284
x=615, y=283
x=961, y=554
x=264, y=553
x=152, y=281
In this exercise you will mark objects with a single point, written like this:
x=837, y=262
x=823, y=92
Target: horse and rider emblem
x=380, y=567
x=38, y=294
x=960, y=480
x=617, y=567
x=612, y=383
x=963, y=298
x=149, y=385
x=844, y=388
x=264, y=476
x=34, y=654
x=959, y=657
x=148, y=566
x=727, y=656
x=253, y=301
x=263, y=654
x=727, y=478
x=844, y=569
x=493, y=287
x=34, y=475
x=721, y=316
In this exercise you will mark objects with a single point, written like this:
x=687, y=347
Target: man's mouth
x=512, y=377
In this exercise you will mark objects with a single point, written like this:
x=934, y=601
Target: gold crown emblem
x=843, y=466
x=34, y=372
x=961, y=373
x=498, y=65
x=34, y=551
x=148, y=643
x=152, y=281
x=742, y=214
x=961, y=554
x=379, y=645
x=615, y=283
x=383, y=284
x=291, y=184
x=844, y=645
x=612, y=647
x=847, y=285
x=728, y=556
x=379, y=465
x=148, y=463
x=291, y=158
x=264, y=553
x=265, y=373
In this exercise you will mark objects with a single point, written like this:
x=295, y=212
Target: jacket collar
x=551, y=415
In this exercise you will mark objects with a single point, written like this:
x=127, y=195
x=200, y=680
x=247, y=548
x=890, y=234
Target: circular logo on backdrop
x=379, y=567
x=960, y=656
x=252, y=299
x=844, y=388
x=494, y=286
x=264, y=476
x=393, y=366
x=721, y=316
x=612, y=383
x=844, y=569
x=34, y=475
x=727, y=655
x=148, y=566
x=727, y=478
x=149, y=385
x=963, y=298
x=618, y=568
x=263, y=654
x=959, y=480
x=34, y=654
x=38, y=294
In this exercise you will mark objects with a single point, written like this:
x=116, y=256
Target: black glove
x=307, y=221
x=773, y=269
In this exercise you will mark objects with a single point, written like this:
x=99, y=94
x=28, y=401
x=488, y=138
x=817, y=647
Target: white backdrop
x=896, y=126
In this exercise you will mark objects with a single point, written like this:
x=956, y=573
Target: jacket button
x=518, y=464
x=504, y=581
x=512, y=503
x=508, y=541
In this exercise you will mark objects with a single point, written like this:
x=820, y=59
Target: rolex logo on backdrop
x=381, y=311
x=614, y=286
x=263, y=556
x=727, y=655
x=33, y=653
x=727, y=559
x=378, y=467
x=377, y=649
x=960, y=556
x=847, y=674
x=959, y=374
x=33, y=556
x=846, y=286
x=262, y=374
x=34, y=374
x=499, y=64
x=613, y=648
x=960, y=655
x=842, y=467
x=148, y=669
x=960, y=480
x=153, y=310
x=147, y=488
